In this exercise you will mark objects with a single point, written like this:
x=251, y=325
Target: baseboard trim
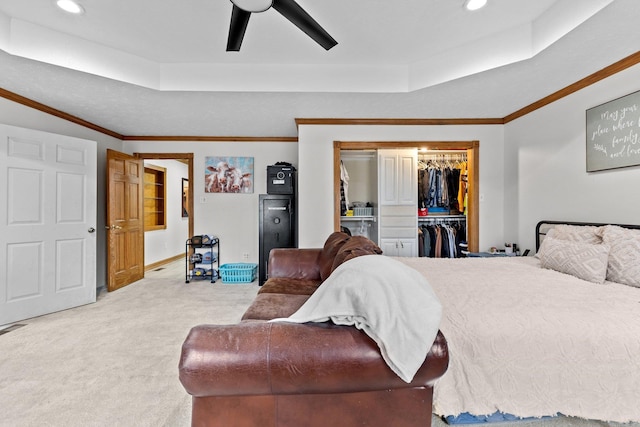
x=162, y=262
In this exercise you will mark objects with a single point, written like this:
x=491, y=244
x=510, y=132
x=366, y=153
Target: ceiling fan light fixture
x=253, y=6
x=474, y=4
x=70, y=6
x=292, y=11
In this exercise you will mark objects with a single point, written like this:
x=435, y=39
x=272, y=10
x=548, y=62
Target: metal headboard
x=543, y=227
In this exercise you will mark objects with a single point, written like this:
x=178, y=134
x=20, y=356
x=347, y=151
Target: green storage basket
x=238, y=272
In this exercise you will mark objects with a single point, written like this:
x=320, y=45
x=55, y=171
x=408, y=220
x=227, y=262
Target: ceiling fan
x=242, y=10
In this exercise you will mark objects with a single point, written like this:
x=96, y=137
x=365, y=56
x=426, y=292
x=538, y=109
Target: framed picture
x=185, y=198
x=228, y=175
x=613, y=134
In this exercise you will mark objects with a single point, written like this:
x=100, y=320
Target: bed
x=529, y=338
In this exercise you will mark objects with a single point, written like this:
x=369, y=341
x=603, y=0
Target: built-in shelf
x=436, y=217
x=358, y=218
x=155, y=194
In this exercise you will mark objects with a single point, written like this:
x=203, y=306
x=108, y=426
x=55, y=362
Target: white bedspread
x=534, y=342
x=390, y=302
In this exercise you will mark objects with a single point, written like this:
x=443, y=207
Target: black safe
x=278, y=227
x=281, y=179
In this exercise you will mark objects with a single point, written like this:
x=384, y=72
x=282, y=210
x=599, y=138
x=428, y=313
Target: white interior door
x=47, y=223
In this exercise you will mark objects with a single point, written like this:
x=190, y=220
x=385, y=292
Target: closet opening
x=369, y=183
x=442, y=203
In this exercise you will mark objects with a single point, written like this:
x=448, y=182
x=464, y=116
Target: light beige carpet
x=115, y=362
x=112, y=363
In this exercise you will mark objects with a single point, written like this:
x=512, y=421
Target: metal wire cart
x=202, y=254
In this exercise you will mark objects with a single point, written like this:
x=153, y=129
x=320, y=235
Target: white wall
x=163, y=244
x=545, y=166
x=12, y=113
x=531, y=169
x=315, y=175
x=231, y=217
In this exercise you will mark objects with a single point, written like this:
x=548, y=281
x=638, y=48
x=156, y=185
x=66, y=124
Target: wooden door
x=125, y=219
x=47, y=223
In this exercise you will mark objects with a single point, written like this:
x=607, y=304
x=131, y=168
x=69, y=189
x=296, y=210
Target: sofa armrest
x=259, y=358
x=294, y=263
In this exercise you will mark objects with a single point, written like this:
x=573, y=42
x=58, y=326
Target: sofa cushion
x=287, y=285
x=355, y=247
x=269, y=306
x=331, y=247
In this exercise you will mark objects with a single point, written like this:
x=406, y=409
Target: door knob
x=91, y=230
x=113, y=227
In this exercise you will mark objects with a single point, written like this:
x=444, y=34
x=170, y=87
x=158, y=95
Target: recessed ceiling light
x=70, y=6
x=474, y=4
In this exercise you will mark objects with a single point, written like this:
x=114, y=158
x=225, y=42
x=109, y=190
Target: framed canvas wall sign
x=613, y=134
x=228, y=175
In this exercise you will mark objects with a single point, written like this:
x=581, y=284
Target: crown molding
x=210, y=138
x=11, y=96
x=609, y=71
x=399, y=121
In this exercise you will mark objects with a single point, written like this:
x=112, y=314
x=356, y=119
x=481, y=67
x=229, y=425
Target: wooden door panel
x=117, y=209
x=135, y=206
x=124, y=220
x=118, y=166
x=134, y=169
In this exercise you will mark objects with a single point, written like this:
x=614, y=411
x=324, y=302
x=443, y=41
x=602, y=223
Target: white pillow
x=550, y=234
x=574, y=233
x=579, y=233
x=582, y=260
x=624, y=257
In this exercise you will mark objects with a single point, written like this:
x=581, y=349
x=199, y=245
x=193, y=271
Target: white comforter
x=534, y=342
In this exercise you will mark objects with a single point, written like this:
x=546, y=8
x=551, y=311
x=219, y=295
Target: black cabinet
x=278, y=227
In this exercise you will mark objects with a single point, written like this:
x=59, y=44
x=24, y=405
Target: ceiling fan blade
x=301, y=19
x=237, y=27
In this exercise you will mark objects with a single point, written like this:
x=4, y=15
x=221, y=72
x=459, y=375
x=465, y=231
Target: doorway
x=187, y=202
x=125, y=252
x=472, y=149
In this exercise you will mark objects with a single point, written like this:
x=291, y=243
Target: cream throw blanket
x=391, y=302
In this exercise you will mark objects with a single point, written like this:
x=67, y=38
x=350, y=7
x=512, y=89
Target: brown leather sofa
x=258, y=373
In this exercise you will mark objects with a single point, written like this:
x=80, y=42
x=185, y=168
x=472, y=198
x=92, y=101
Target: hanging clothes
x=344, y=189
x=462, y=188
x=443, y=240
x=439, y=182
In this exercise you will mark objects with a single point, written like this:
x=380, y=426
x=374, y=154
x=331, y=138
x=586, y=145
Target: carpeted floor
x=115, y=362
